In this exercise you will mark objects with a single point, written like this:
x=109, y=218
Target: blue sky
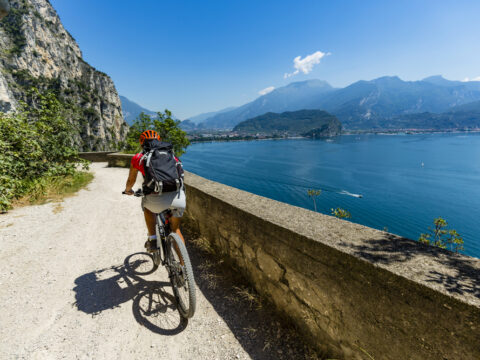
x=199, y=56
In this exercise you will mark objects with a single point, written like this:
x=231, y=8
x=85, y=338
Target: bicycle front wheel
x=181, y=276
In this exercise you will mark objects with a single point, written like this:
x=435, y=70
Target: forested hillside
x=314, y=123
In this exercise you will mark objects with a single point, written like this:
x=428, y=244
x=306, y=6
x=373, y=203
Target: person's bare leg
x=150, y=221
x=175, y=226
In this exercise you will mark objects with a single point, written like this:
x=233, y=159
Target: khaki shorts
x=174, y=200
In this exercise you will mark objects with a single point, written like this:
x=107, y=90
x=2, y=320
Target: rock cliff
x=37, y=51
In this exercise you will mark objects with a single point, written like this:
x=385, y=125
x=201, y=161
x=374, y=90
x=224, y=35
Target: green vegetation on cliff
x=37, y=150
x=37, y=51
x=314, y=123
x=12, y=24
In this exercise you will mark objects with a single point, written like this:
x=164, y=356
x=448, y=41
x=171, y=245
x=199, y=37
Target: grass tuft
x=204, y=245
x=55, y=189
x=210, y=279
x=58, y=208
x=249, y=295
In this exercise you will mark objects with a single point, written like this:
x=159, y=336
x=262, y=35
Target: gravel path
x=67, y=290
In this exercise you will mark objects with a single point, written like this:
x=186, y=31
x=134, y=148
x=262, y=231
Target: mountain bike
x=172, y=253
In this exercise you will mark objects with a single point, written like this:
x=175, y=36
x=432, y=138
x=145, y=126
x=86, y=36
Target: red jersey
x=137, y=163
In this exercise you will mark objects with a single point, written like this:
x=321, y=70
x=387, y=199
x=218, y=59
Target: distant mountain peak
x=131, y=110
x=311, y=83
x=440, y=80
x=434, y=78
x=388, y=79
x=197, y=119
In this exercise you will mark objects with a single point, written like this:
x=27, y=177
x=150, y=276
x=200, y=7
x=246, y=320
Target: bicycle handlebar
x=137, y=193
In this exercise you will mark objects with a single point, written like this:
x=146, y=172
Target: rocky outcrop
x=333, y=128
x=37, y=51
x=4, y=8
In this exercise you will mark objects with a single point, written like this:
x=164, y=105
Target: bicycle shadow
x=152, y=306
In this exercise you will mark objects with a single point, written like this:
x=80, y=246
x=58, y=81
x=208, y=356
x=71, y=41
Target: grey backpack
x=163, y=171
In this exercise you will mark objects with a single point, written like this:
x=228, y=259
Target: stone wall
x=95, y=156
x=354, y=292
x=114, y=159
x=119, y=160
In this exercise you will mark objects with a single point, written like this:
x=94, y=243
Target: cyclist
x=155, y=203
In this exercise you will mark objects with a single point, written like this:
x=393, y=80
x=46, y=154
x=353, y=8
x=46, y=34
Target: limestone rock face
x=37, y=51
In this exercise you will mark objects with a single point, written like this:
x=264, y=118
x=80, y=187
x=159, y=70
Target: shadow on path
x=252, y=320
x=153, y=307
x=254, y=324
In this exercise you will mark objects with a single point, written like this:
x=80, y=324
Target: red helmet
x=148, y=135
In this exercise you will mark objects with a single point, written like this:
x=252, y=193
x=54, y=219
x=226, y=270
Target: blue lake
x=397, y=192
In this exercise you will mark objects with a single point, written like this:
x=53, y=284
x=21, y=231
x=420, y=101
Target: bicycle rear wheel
x=181, y=276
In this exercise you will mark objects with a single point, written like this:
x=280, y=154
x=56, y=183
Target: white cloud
x=473, y=79
x=306, y=64
x=267, y=90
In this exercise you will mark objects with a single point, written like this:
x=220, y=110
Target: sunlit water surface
x=405, y=181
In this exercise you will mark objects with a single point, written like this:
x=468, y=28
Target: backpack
x=163, y=173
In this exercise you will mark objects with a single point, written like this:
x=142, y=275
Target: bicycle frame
x=163, y=230
x=179, y=271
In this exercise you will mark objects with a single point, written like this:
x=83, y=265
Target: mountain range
x=375, y=104
x=202, y=117
x=295, y=96
x=459, y=117
x=131, y=110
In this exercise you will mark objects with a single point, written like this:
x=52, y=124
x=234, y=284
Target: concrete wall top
x=451, y=274
x=95, y=156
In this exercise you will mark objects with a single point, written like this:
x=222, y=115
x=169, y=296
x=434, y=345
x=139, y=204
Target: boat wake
x=344, y=192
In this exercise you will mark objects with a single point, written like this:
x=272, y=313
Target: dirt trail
x=65, y=291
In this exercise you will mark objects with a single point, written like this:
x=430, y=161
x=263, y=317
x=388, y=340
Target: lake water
x=397, y=192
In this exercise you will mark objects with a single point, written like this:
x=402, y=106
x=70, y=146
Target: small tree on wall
x=313, y=194
x=341, y=213
x=441, y=237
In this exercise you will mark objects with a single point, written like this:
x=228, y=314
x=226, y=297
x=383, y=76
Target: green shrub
x=55, y=188
x=341, y=213
x=441, y=237
x=36, y=146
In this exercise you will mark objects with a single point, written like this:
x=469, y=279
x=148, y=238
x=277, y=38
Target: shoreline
x=347, y=133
